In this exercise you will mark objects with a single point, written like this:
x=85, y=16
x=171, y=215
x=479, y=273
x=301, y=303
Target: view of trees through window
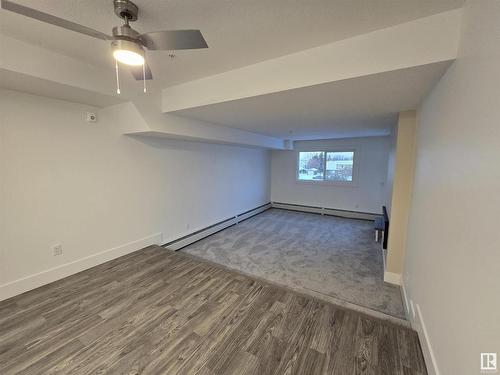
x=326, y=166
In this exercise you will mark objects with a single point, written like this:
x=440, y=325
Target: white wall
x=57, y=75
x=402, y=184
x=91, y=189
x=367, y=196
x=391, y=163
x=453, y=256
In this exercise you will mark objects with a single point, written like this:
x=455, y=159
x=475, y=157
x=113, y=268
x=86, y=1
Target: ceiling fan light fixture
x=127, y=44
x=128, y=52
x=128, y=57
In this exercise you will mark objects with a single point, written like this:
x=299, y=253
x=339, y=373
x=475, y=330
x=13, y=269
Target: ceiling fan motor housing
x=126, y=10
x=125, y=32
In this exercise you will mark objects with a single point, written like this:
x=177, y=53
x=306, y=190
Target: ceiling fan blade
x=138, y=74
x=174, y=40
x=53, y=20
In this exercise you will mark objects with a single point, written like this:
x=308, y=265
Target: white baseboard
x=406, y=303
x=326, y=211
x=416, y=319
x=198, y=235
x=24, y=284
x=256, y=211
x=392, y=278
x=190, y=238
x=430, y=359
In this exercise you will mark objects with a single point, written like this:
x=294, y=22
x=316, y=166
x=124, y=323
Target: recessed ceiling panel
x=362, y=106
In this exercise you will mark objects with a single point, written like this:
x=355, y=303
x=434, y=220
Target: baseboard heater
x=188, y=239
x=326, y=211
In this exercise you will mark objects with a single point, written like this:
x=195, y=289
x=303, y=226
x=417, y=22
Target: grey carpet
x=333, y=256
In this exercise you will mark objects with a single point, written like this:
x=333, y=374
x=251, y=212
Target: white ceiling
x=239, y=33
x=362, y=106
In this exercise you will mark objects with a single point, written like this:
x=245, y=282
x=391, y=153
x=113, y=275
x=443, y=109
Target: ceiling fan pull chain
x=117, y=78
x=144, y=75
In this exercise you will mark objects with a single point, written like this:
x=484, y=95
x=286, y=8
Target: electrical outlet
x=57, y=250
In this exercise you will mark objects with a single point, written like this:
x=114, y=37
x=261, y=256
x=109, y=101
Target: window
x=329, y=166
x=339, y=165
x=311, y=165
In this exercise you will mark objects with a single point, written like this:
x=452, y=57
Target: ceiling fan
x=127, y=44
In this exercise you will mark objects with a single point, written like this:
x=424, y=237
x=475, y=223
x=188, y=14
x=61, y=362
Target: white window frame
x=355, y=167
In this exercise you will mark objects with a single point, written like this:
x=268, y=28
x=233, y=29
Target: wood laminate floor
x=159, y=312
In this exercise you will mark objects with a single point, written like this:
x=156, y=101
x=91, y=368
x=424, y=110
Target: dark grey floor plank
x=158, y=312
